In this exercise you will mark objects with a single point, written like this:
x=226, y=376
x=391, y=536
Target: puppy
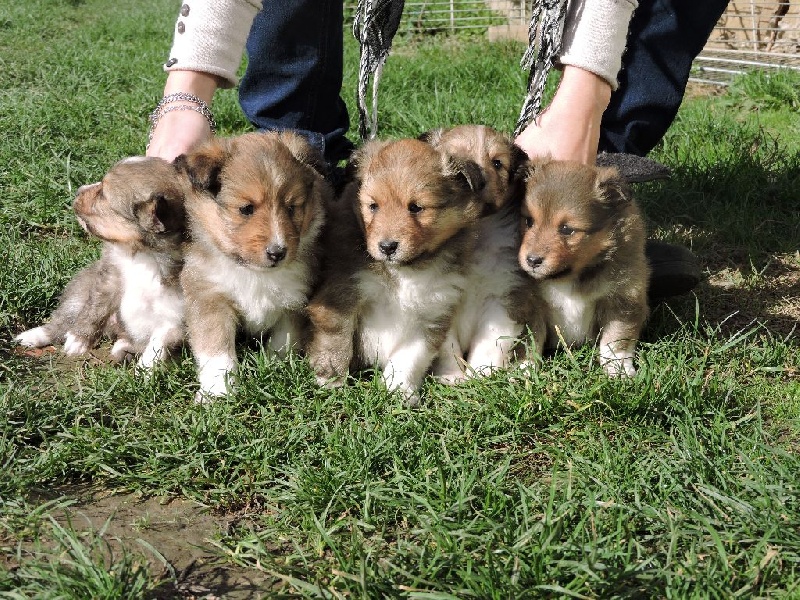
x=254, y=222
x=132, y=292
x=489, y=319
x=395, y=272
x=583, y=243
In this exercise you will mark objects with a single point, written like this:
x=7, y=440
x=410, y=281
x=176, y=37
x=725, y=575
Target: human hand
x=569, y=128
x=178, y=129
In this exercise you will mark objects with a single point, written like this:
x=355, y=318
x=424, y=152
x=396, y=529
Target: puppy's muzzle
x=388, y=248
x=534, y=262
x=276, y=253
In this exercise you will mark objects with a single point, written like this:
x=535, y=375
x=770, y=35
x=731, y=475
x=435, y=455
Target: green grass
x=681, y=483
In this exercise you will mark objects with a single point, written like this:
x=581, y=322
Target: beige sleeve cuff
x=210, y=37
x=595, y=35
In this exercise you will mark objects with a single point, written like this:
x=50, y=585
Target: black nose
x=276, y=252
x=534, y=261
x=388, y=248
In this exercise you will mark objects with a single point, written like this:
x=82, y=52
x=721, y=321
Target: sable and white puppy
x=254, y=221
x=583, y=242
x=396, y=272
x=132, y=291
x=488, y=320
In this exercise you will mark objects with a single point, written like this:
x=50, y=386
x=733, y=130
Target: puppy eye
x=497, y=164
x=414, y=208
x=528, y=222
x=290, y=210
x=566, y=230
x=373, y=208
x=247, y=209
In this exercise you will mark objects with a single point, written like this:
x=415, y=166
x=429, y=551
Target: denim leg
x=664, y=38
x=294, y=73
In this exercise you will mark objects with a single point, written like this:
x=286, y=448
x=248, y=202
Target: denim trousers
x=664, y=38
x=293, y=78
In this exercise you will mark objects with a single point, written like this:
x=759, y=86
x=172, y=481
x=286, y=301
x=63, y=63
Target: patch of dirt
x=180, y=530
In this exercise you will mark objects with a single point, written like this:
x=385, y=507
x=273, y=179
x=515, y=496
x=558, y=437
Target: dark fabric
x=664, y=38
x=294, y=73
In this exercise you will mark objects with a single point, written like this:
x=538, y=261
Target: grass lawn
x=683, y=482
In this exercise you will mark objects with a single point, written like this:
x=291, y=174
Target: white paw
x=330, y=382
x=150, y=358
x=75, y=345
x=121, y=349
x=216, y=375
x=620, y=367
x=34, y=338
x=452, y=378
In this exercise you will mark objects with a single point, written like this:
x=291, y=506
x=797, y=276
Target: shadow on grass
x=740, y=214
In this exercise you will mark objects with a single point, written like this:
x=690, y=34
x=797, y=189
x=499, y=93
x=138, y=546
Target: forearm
x=595, y=35
x=210, y=37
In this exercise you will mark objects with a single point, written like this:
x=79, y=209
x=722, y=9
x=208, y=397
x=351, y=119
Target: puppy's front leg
x=406, y=368
x=211, y=326
x=448, y=367
x=617, y=346
x=333, y=323
x=286, y=334
x=159, y=344
x=494, y=339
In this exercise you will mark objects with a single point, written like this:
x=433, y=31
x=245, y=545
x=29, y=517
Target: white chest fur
x=261, y=296
x=397, y=312
x=569, y=311
x=148, y=303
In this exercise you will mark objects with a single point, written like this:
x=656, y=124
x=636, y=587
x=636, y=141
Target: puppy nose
x=276, y=252
x=388, y=248
x=534, y=261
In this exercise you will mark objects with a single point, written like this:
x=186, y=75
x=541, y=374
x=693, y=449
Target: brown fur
x=258, y=210
x=491, y=150
x=583, y=242
x=406, y=219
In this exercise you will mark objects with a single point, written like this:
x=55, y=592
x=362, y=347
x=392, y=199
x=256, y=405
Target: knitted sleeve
x=595, y=34
x=210, y=36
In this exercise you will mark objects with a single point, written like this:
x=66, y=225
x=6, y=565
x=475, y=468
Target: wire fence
x=750, y=35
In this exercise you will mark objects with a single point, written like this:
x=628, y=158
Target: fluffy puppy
x=583, y=242
x=254, y=221
x=395, y=273
x=491, y=150
x=132, y=291
x=489, y=318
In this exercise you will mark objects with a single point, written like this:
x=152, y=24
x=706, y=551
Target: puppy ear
x=612, y=189
x=304, y=151
x=161, y=213
x=204, y=164
x=466, y=173
x=432, y=137
x=519, y=158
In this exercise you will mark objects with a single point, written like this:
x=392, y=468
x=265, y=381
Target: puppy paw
x=329, y=383
x=75, y=345
x=452, y=378
x=122, y=350
x=620, y=367
x=150, y=358
x=37, y=337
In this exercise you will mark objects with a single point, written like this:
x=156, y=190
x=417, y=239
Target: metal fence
x=752, y=34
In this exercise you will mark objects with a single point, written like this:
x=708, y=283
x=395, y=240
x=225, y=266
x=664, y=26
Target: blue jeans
x=664, y=38
x=294, y=73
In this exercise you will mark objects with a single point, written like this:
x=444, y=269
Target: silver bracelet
x=162, y=108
